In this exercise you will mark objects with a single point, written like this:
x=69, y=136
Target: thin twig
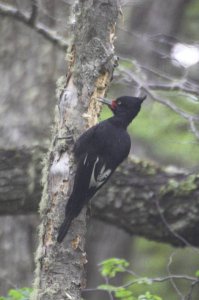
x=193, y=128
x=173, y=87
x=34, y=11
x=175, y=234
x=165, y=102
x=109, y=292
x=152, y=280
x=29, y=20
x=131, y=272
x=171, y=276
x=159, y=279
x=193, y=284
x=145, y=38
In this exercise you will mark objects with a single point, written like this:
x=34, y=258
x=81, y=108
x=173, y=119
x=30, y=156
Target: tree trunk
x=59, y=268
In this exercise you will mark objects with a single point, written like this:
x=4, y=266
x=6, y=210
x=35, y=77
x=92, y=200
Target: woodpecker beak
x=105, y=101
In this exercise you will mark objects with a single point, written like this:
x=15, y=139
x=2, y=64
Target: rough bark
x=20, y=180
x=59, y=268
x=138, y=197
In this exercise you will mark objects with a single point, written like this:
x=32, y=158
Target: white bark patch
x=59, y=171
x=60, y=166
x=69, y=96
x=68, y=103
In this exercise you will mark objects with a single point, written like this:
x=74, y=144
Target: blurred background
x=157, y=48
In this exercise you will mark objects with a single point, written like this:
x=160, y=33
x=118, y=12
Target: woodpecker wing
x=92, y=172
x=100, y=173
x=93, y=167
x=98, y=157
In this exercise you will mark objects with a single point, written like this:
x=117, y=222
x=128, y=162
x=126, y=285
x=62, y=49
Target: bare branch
x=150, y=87
x=194, y=281
x=146, y=87
x=29, y=20
x=193, y=284
x=34, y=10
x=121, y=202
x=193, y=127
x=162, y=279
x=184, y=241
x=171, y=279
x=181, y=86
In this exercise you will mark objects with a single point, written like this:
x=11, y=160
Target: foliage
x=109, y=268
x=18, y=294
x=197, y=273
x=152, y=259
x=149, y=296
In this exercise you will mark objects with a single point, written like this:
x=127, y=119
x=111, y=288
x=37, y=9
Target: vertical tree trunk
x=59, y=268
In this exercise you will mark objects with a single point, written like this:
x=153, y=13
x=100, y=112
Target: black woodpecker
x=98, y=152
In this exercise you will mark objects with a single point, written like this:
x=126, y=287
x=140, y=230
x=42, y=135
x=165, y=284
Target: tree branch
x=34, y=10
x=30, y=21
x=150, y=88
x=143, y=199
x=147, y=88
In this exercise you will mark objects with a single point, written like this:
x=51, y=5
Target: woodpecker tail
x=64, y=227
x=72, y=210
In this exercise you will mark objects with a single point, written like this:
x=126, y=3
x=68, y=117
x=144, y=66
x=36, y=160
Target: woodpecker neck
x=123, y=119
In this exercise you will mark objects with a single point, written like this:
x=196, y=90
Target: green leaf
x=120, y=293
x=197, y=273
x=149, y=296
x=20, y=294
x=110, y=267
x=124, y=294
x=15, y=294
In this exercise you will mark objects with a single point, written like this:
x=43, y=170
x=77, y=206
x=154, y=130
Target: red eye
x=113, y=104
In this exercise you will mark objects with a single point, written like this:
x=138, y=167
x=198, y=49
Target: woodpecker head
x=125, y=106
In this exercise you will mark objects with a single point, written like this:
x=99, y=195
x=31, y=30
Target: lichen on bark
x=60, y=268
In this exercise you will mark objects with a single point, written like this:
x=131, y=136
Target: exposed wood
x=60, y=268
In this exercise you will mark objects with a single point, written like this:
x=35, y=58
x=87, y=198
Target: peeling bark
x=134, y=199
x=60, y=268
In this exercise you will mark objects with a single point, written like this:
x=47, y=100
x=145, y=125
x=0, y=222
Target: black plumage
x=98, y=152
